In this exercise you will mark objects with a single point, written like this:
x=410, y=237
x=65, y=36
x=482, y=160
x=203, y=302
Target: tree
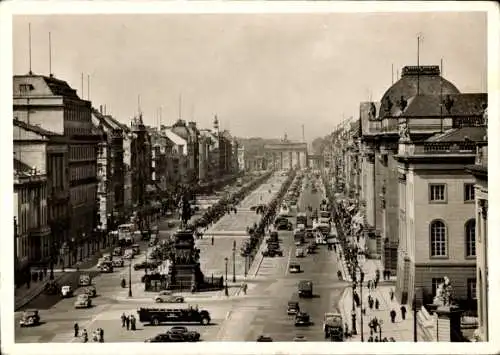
x=318, y=145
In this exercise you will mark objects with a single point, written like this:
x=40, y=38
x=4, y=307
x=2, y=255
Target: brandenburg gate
x=286, y=155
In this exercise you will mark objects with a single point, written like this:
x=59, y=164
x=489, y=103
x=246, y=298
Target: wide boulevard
x=236, y=317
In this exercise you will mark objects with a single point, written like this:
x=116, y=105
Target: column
x=290, y=162
x=298, y=160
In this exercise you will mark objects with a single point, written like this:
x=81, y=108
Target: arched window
x=438, y=238
x=470, y=238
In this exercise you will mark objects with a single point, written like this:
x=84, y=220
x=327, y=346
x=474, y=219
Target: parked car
x=168, y=297
x=30, y=318
x=294, y=268
x=117, y=251
x=83, y=301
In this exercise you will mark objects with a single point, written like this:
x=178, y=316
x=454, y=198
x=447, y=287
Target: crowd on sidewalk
x=369, y=307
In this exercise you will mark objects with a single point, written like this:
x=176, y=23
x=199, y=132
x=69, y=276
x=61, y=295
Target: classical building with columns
x=286, y=155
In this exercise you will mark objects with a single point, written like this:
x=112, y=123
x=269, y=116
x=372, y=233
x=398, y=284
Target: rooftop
x=454, y=105
x=464, y=134
x=56, y=87
x=35, y=129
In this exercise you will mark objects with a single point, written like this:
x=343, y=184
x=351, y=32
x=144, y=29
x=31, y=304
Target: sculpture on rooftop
x=443, y=293
x=404, y=134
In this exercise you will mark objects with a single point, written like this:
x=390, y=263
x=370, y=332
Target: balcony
x=465, y=149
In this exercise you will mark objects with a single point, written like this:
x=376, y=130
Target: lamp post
x=246, y=265
x=415, y=311
x=353, y=312
x=234, y=261
x=226, y=291
x=130, y=278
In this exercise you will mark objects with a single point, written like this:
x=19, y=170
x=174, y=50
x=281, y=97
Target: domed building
x=418, y=106
x=423, y=80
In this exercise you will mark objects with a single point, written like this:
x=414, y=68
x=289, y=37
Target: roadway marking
x=289, y=259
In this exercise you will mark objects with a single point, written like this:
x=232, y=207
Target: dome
x=428, y=80
x=181, y=129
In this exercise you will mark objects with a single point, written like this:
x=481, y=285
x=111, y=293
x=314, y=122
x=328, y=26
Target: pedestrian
x=245, y=288
x=101, y=335
x=370, y=339
x=212, y=240
x=95, y=338
x=370, y=303
x=376, y=339
x=127, y=322
x=133, y=323
x=76, y=328
x=85, y=336
x=377, y=304
x=393, y=315
x=339, y=275
x=392, y=294
x=403, y=312
x=385, y=339
x=369, y=284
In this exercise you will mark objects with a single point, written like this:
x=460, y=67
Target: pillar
x=297, y=154
x=290, y=162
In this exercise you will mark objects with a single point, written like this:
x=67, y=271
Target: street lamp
x=225, y=288
x=234, y=261
x=130, y=278
x=415, y=311
x=246, y=265
x=353, y=312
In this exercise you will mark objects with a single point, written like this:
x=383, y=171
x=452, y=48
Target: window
x=470, y=238
x=469, y=193
x=436, y=281
x=438, y=238
x=437, y=192
x=471, y=289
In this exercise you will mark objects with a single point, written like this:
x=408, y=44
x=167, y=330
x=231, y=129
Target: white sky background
x=263, y=74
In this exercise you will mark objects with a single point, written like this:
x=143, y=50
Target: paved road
x=263, y=311
x=236, y=225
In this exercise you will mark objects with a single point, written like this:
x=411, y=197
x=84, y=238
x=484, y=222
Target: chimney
x=100, y=109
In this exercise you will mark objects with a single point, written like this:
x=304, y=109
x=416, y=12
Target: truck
x=333, y=326
x=156, y=316
x=305, y=289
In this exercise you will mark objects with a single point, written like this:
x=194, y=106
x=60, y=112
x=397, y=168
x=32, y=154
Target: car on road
x=282, y=223
x=159, y=338
x=66, y=291
x=292, y=308
x=118, y=251
x=300, y=253
x=85, y=280
x=302, y=319
x=168, y=297
x=189, y=335
x=299, y=338
x=264, y=338
x=272, y=252
x=91, y=291
x=146, y=264
x=118, y=262
x=333, y=326
x=83, y=301
x=156, y=316
x=106, y=267
x=294, y=268
x=30, y=318
x=305, y=289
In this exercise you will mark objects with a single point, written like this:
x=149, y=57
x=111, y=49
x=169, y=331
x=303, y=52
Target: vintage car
x=91, y=291
x=264, y=338
x=168, y=297
x=85, y=280
x=294, y=268
x=118, y=262
x=299, y=338
x=302, y=318
x=67, y=291
x=117, y=251
x=106, y=267
x=128, y=254
x=187, y=335
x=83, y=301
x=136, y=248
x=300, y=253
x=30, y=318
x=292, y=308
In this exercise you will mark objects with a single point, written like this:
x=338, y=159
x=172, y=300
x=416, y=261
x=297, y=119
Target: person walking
x=393, y=316
x=101, y=335
x=392, y=294
x=403, y=312
x=76, y=328
x=132, y=322
x=127, y=321
x=377, y=304
x=85, y=336
x=124, y=320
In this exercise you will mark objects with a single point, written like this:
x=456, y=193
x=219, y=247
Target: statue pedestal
x=448, y=324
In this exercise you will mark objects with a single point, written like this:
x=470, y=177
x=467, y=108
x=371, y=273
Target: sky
x=262, y=74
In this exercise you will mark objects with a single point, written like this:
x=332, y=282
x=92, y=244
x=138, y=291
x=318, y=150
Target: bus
x=125, y=233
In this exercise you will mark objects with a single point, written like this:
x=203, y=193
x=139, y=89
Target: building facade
x=480, y=171
x=47, y=153
x=53, y=105
x=241, y=158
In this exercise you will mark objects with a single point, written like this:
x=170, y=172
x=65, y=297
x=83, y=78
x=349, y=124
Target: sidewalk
x=401, y=330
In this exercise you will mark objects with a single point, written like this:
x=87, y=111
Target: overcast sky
x=262, y=74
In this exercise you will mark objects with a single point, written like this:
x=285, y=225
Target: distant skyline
x=262, y=74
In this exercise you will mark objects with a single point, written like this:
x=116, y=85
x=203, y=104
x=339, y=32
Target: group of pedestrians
x=128, y=321
x=97, y=335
